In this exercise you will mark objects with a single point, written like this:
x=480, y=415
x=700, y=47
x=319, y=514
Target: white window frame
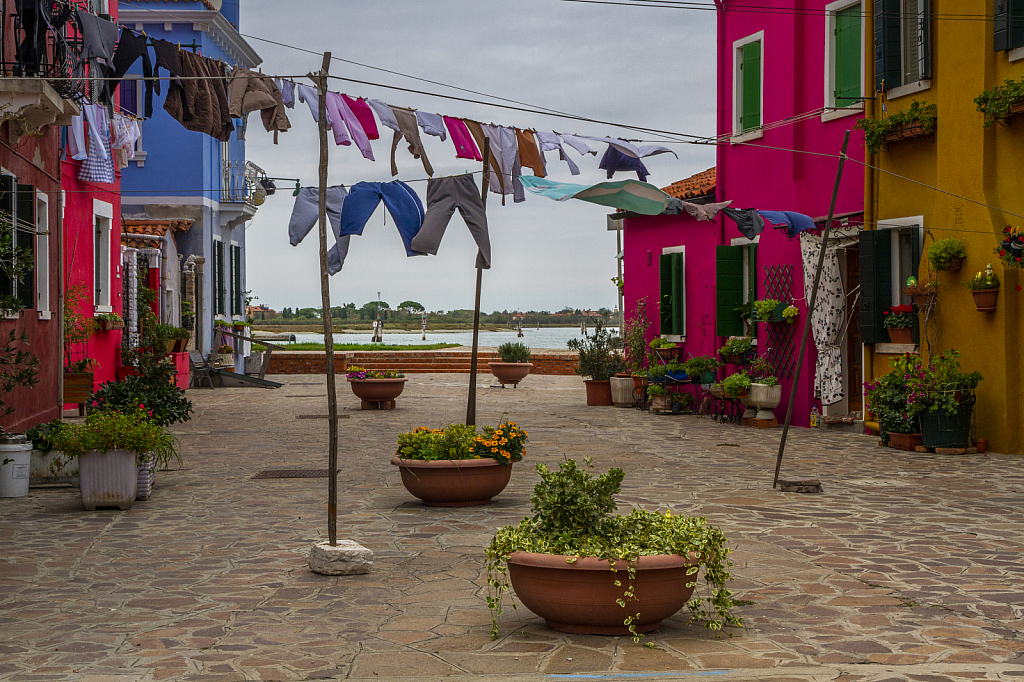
x=831, y=10
x=225, y=316
x=43, y=255
x=677, y=338
x=101, y=210
x=921, y=84
x=737, y=89
x=894, y=225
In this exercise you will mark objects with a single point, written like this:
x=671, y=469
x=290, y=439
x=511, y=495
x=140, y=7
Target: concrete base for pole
x=799, y=484
x=345, y=558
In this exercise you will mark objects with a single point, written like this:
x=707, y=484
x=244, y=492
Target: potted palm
x=457, y=467
x=984, y=287
x=586, y=571
x=108, y=447
x=514, y=365
x=899, y=320
x=599, y=361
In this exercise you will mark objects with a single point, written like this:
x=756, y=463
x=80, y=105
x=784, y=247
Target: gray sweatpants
x=305, y=214
x=444, y=195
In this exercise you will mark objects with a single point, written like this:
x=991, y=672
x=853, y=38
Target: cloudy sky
x=641, y=66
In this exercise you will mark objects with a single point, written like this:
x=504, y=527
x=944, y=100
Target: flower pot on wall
x=901, y=335
x=599, y=393
x=985, y=299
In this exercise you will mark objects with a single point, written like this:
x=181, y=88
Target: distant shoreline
x=318, y=328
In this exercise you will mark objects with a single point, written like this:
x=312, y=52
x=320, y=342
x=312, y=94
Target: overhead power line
x=789, y=11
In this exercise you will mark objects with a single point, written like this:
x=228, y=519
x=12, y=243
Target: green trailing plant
x=598, y=358
x=766, y=309
x=658, y=342
x=768, y=380
x=656, y=390
x=736, y=385
x=875, y=129
x=701, y=365
x=572, y=517
x=684, y=399
x=887, y=397
x=994, y=103
x=986, y=279
x=511, y=351
x=152, y=390
x=634, y=339
x=112, y=320
x=112, y=430
x=657, y=372
x=178, y=333
x=505, y=443
x=945, y=253
x=737, y=345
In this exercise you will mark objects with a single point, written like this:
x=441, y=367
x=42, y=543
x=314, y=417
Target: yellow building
x=923, y=53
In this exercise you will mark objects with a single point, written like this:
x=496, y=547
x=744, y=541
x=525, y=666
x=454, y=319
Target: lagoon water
x=546, y=337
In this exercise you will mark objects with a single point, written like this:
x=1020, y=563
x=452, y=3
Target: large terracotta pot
x=510, y=372
x=453, y=483
x=377, y=390
x=765, y=398
x=580, y=596
x=985, y=299
x=108, y=479
x=599, y=393
x=901, y=335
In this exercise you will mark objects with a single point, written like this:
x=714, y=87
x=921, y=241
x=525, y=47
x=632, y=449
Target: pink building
x=773, y=66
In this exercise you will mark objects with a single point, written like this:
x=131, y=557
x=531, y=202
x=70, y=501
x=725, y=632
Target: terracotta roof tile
x=156, y=228
x=695, y=186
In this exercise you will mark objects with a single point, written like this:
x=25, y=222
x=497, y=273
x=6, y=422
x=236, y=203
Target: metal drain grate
x=320, y=416
x=292, y=473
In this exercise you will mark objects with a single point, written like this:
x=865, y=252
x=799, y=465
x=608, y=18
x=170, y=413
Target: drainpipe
x=870, y=107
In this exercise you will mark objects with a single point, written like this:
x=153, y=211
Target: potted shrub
x=457, y=467
x=765, y=309
x=1011, y=249
x=634, y=342
x=887, y=399
x=1001, y=102
x=716, y=390
x=179, y=339
x=923, y=294
x=947, y=254
x=789, y=313
x=941, y=395
x=376, y=386
x=514, y=365
x=736, y=385
x=585, y=571
x=765, y=390
x=108, y=446
x=918, y=120
x=47, y=465
x=660, y=401
x=984, y=287
x=225, y=355
x=665, y=350
x=899, y=320
x=736, y=350
x=599, y=361
x=108, y=321
x=703, y=367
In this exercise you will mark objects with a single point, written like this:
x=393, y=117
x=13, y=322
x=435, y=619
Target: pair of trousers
x=444, y=195
x=400, y=201
x=306, y=213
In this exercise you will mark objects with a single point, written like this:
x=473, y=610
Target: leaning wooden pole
x=325, y=293
x=810, y=308
x=471, y=407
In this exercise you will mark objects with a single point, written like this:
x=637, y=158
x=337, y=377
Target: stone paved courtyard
x=908, y=567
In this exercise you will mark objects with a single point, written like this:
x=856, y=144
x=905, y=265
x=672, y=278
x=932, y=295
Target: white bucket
x=14, y=475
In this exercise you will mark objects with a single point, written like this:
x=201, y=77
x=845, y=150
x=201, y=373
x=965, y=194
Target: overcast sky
x=649, y=67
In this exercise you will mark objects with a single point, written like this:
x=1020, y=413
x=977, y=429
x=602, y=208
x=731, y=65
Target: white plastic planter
x=42, y=475
x=766, y=398
x=147, y=476
x=15, y=474
x=109, y=479
x=622, y=391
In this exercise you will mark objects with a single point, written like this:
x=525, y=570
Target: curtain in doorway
x=828, y=318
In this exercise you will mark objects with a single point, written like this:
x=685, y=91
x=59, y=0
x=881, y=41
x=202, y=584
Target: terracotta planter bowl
x=985, y=299
x=901, y=335
x=377, y=390
x=510, y=372
x=905, y=441
x=580, y=597
x=453, y=483
x=599, y=393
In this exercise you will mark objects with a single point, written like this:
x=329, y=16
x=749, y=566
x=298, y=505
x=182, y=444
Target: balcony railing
x=240, y=182
x=40, y=38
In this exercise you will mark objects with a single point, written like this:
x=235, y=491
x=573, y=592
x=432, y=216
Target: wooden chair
x=200, y=368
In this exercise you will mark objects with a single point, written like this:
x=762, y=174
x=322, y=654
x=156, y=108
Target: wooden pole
x=810, y=308
x=471, y=407
x=325, y=293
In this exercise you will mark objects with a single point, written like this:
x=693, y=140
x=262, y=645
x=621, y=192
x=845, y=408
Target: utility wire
x=788, y=11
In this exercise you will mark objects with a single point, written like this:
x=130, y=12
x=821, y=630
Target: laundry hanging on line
x=747, y=220
x=629, y=195
x=444, y=195
x=794, y=222
x=614, y=160
x=306, y=213
x=399, y=199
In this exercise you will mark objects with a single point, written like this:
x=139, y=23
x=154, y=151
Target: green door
x=728, y=290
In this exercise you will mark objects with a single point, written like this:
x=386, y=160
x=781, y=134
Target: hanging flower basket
x=985, y=299
x=910, y=131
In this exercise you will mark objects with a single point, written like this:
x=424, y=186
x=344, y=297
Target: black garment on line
x=748, y=221
x=167, y=57
x=34, y=24
x=129, y=48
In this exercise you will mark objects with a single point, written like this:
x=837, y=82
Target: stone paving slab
x=907, y=567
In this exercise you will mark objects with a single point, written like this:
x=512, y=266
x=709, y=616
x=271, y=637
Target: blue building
x=180, y=176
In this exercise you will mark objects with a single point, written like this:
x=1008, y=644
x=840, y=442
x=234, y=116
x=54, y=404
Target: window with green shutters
x=750, y=86
x=672, y=299
x=878, y=280
x=847, y=51
x=236, y=280
x=902, y=43
x=1009, y=25
x=18, y=203
x=218, y=276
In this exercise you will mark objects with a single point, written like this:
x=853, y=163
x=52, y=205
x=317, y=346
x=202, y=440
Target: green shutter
x=665, y=293
x=888, y=55
x=875, y=284
x=236, y=281
x=728, y=290
x=1015, y=27
x=7, y=185
x=678, y=293
x=752, y=281
x=25, y=241
x=847, y=56
x=218, y=275
x=1001, y=30
x=750, y=65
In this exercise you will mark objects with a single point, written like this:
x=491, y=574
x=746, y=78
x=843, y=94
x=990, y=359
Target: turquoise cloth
x=629, y=195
